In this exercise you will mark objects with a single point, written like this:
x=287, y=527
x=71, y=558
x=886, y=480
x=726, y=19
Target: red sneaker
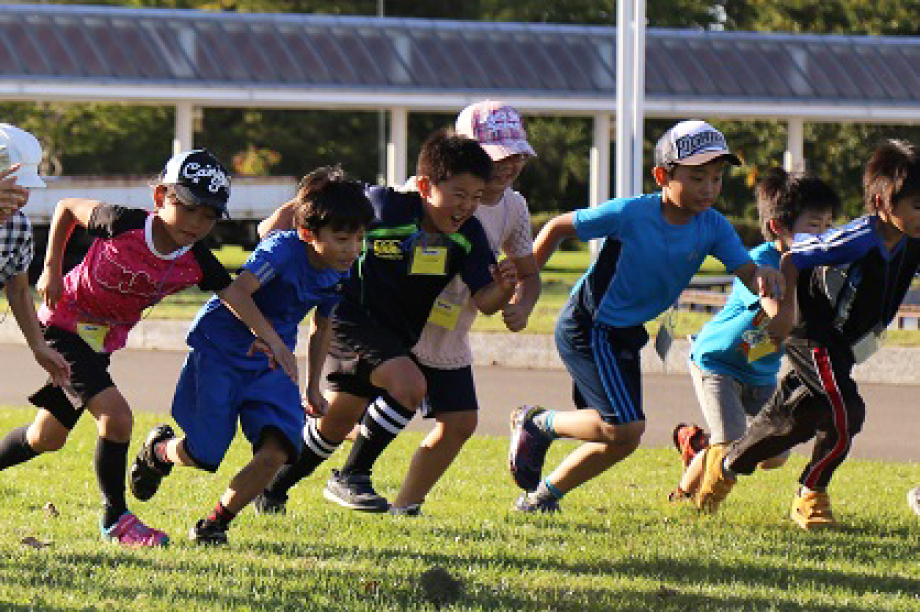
x=689, y=440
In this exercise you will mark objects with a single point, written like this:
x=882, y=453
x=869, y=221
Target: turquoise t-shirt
x=724, y=344
x=657, y=259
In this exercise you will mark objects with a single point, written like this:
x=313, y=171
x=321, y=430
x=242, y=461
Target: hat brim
x=707, y=156
x=28, y=177
x=499, y=152
x=187, y=197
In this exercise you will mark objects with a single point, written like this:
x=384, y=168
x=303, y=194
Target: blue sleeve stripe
x=264, y=273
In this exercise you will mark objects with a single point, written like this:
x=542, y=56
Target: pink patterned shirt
x=122, y=274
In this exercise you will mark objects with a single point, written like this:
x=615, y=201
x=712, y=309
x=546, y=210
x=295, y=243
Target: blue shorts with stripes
x=604, y=363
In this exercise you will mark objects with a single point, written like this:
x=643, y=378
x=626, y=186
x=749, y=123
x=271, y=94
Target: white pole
x=624, y=144
x=638, y=95
x=184, y=136
x=600, y=167
x=630, y=96
x=396, y=147
x=794, y=157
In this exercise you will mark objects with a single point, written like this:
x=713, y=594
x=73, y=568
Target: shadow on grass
x=310, y=580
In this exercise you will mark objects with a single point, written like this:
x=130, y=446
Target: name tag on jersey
x=761, y=349
x=429, y=260
x=445, y=314
x=93, y=334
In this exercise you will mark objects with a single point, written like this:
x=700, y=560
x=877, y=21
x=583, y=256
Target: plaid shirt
x=16, y=246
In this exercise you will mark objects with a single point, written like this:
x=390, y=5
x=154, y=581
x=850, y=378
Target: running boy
x=223, y=381
x=417, y=244
x=137, y=259
x=654, y=244
x=848, y=284
x=444, y=346
x=733, y=362
x=20, y=154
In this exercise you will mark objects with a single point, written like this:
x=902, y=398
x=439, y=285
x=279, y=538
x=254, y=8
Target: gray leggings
x=727, y=404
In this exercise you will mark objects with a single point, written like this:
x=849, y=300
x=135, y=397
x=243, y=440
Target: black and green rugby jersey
x=402, y=269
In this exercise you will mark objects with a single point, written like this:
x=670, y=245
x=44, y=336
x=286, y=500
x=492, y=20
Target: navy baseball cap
x=692, y=143
x=199, y=179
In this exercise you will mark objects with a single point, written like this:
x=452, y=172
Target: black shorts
x=89, y=376
x=359, y=344
x=448, y=391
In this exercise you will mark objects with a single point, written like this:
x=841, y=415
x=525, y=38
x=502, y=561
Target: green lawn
x=618, y=545
x=561, y=273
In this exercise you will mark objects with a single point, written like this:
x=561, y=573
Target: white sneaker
x=913, y=499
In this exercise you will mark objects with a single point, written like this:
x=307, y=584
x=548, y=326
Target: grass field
x=561, y=273
x=618, y=545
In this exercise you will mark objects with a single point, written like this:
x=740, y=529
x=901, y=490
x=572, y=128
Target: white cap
x=20, y=147
x=693, y=143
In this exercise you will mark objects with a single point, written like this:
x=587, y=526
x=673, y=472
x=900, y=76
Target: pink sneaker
x=130, y=531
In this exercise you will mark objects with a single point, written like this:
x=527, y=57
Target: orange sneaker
x=812, y=511
x=715, y=485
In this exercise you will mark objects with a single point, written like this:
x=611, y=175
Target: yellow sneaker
x=715, y=486
x=812, y=511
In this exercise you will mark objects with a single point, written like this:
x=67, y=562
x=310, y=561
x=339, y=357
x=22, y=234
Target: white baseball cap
x=21, y=147
x=496, y=126
x=693, y=143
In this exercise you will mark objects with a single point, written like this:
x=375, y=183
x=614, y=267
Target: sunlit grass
x=618, y=545
x=559, y=276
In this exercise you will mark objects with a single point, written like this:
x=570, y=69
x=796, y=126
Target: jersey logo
x=388, y=249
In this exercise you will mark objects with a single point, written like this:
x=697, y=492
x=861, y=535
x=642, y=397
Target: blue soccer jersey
x=727, y=344
x=657, y=259
x=289, y=288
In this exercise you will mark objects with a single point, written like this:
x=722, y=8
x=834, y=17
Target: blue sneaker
x=528, y=447
x=529, y=502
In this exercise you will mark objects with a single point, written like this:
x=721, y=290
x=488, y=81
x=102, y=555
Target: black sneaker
x=410, y=510
x=147, y=471
x=529, y=502
x=209, y=533
x=266, y=504
x=354, y=491
x=528, y=447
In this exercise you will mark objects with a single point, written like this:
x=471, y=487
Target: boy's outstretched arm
x=764, y=281
x=555, y=230
x=281, y=219
x=238, y=298
x=20, y=300
x=787, y=311
x=526, y=293
x=494, y=296
x=317, y=349
x=12, y=196
x=67, y=214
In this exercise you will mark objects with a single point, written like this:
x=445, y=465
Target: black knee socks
x=111, y=463
x=15, y=449
x=384, y=419
x=316, y=450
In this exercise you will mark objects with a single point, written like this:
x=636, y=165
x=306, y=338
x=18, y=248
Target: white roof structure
x=198, y=59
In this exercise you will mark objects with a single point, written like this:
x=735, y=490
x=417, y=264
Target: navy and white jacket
x=849, y=282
